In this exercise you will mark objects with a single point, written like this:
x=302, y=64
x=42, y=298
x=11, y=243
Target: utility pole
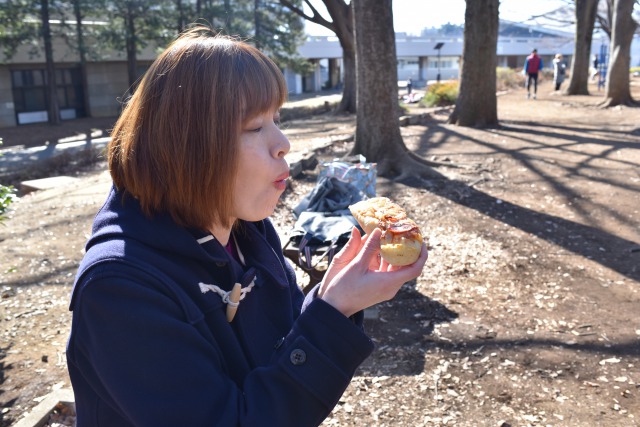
x=438, y=47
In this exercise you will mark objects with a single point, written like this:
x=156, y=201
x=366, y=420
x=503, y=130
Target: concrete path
x=16, y=158
x=13, y=159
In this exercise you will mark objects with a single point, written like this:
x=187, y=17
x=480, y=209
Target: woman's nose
x=283, y=146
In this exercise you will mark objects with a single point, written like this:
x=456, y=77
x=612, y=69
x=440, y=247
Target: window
x=445, y=63
x=31, y=99
x=408, y=63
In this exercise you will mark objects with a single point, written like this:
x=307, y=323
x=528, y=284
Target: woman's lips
x=281, y=181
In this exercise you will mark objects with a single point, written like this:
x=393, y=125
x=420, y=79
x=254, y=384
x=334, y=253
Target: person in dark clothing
x=185, y=311
x=595, y=72
x=532, y=66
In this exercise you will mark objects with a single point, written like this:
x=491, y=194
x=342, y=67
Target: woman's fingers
x=350, y=249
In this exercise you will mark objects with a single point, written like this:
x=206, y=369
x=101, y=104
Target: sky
x=411, y=16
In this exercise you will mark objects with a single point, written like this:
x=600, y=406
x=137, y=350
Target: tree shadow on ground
x=589, y=241
x=48, y=278
x=629, y=348
x=399, y=327
x=403, y=330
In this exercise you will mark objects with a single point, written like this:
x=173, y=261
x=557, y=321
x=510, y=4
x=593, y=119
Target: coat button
x=220, y=263
x=298, y=357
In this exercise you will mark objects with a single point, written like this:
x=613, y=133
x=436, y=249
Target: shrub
x=508, y=78
x=440, y=94
x=7, y=196
x=546, y=74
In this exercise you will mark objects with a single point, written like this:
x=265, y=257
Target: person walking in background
x=559, y=71
x=595, y=71
x=409, y=86
x=532, y=65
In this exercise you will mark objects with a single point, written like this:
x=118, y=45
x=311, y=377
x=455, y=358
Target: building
x=23, y=94
x=433, y=56
x=426, y=58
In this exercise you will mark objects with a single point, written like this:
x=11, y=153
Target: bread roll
x=401, y=241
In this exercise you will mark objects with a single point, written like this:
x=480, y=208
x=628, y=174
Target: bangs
x=262, y=87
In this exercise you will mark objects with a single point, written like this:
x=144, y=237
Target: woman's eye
x=256, y=130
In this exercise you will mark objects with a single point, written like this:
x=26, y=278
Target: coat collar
x=258, y=252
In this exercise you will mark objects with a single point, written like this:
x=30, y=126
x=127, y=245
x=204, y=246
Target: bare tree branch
x=316, y=17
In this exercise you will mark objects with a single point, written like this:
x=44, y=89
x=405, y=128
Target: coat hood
x=121, y=217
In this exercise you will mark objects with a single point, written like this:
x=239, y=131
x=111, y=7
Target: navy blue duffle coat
x=150, y=346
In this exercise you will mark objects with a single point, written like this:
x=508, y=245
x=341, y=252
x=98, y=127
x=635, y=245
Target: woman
x=559, y=71
x=158, y=339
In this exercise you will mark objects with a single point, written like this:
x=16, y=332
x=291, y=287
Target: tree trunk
x=617, y=89
x=348, y=102
x=83, y=59
x=586, y=11
x=378, y=135
x=52, y=93
x=132, y=60
x=257, y=25
x=377, y=131
x=341, y=14
x=181, y=18
x=476, y=104
x=228, y=16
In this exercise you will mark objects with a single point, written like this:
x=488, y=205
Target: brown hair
x=174, y=147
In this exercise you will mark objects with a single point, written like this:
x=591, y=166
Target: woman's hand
x=357, y=278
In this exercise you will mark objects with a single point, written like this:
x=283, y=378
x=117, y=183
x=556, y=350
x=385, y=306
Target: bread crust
x=401, y=241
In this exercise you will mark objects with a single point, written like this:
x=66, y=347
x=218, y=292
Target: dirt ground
x=527, y=313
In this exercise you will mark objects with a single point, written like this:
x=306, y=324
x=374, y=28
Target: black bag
x=322, y=227
x=317, y=235
x=329, y=195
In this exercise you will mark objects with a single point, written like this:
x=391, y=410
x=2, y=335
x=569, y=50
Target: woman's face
x=262, y=169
